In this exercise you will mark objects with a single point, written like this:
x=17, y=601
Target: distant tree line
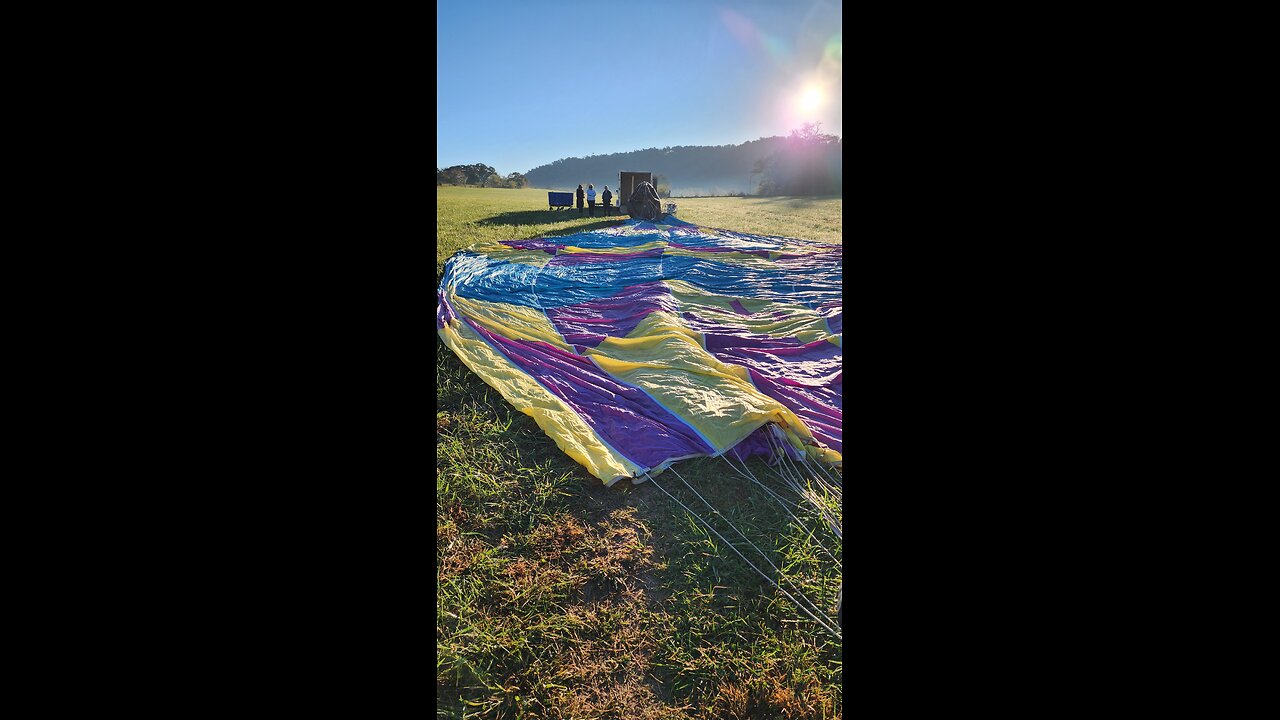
x=806, y=162
x=479, y=175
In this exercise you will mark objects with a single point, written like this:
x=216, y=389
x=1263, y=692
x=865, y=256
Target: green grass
x=560, y=598
x=467, y=215
x=808, y=218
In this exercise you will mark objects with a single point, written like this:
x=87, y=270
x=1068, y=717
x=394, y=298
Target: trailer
x=627, y=182
x=559, y=200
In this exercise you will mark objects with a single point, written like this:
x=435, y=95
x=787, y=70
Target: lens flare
x=833, y=53
x=811, y=99
x=751, y=37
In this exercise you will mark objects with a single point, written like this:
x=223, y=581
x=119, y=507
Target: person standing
x=607, y=197
x=579, y=198
x=591, y=200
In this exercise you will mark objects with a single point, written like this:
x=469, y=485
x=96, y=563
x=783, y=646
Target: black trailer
x=627, y=183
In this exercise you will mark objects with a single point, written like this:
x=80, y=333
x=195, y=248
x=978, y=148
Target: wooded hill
x=710, y=170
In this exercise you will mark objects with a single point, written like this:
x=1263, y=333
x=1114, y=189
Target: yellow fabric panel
x=798, y=321
x=824, y=454
x=663, y=323
x=711, y=396
x=689, y=294
x=536, y=258
x=733, y=258
x=613, y=250
x=557, y=420
x=516, y=322
x=498, y=251
x=488, y=247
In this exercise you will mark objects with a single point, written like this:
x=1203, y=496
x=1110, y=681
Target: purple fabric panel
x=828, y=405
x=754, y=445
x=536, y=244
x=817, y=363
x=836, y=323
x=589, y=323
x=832, y=310
x=758, y=444
x=623, y=416
x=584, y=340
x=717, y=335
x=584, y=258
x=818, y=407
x=815, y=349
x=825, y=255
x=444, y=311
x=728, y=339
x=739, y=307
x=696, y=248
x=699, y=248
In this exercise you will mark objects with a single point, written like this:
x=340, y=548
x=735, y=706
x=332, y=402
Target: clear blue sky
x=522, y=83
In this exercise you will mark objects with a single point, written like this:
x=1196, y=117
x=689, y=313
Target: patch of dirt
x=458, y=555
x=622, y=548
x=771, y=698
x=634, y=505
x=445, y=532
x=606, y=675
x=559, y=539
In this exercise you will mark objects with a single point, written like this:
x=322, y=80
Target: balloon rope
x=826, y=625
x=812, y=605
x=782, y=502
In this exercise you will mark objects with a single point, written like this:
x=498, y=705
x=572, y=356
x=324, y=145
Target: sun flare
x=810, y=99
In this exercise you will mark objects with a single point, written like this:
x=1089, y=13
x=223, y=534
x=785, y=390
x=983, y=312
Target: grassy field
x=560, y=598
x=467, y=215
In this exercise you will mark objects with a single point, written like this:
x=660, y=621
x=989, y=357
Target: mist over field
x=690, y=170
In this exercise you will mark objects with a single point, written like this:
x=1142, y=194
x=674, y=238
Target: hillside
x=691, y=169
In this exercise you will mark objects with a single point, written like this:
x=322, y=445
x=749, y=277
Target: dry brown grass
x=458, y=555
x=772, y=698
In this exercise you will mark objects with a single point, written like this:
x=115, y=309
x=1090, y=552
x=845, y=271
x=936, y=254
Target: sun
x=810, y=99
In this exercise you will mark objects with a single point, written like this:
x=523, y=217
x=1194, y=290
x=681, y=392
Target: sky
x=522, y=83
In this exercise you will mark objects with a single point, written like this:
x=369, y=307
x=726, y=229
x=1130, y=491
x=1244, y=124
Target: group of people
x=590, y=195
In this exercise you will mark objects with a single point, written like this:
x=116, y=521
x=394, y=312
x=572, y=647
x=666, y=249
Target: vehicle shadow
x=783, y=202
x=544, y=217
x=793, y=201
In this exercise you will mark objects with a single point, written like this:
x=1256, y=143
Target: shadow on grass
x=545, y=217
x=766, y=201
x=796, y=202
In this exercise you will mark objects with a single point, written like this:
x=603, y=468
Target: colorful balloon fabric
x=643, y=344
